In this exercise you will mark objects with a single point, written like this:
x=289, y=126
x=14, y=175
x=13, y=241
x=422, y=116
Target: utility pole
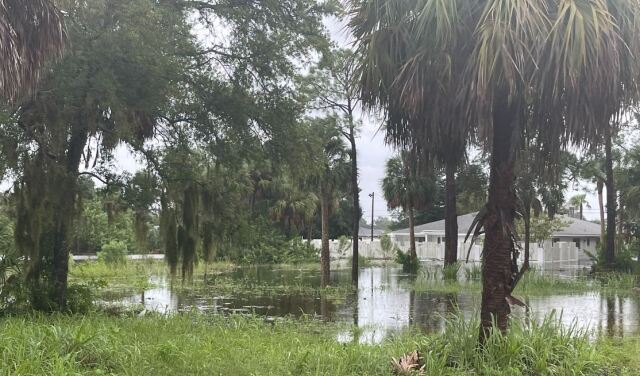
x=373, y=197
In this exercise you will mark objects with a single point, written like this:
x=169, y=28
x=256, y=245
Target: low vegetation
x=195, y=344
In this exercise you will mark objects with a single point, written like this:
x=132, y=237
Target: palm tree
x=31, y=32
x=294, y=207
x=331, y=177
x=579, y=201
x=332, y=86
x=399, y=189
x=560, y=69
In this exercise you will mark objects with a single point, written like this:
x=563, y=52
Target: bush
x=113, y=253
x=79, y=298
x=280, y=250
x=387, y=246
x=409, y=264
x=624, y=260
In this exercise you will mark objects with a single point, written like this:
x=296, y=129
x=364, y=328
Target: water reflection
x=385, y=303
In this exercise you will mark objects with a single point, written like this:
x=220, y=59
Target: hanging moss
x=189, y=227
x=141, y=225
x=168, y=233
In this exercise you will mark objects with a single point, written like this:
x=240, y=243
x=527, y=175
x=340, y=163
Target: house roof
x=366, y=232
x=575, y=227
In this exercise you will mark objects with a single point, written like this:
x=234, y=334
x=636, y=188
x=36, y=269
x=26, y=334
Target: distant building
x=365, y=233
x=584, y=234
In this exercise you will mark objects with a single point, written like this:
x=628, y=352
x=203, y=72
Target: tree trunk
x=412, y=236
x=609, y=253
x=324, y=253
x=450, y=215
x=600, y=188
x=355, y=193
x=527, y=234
x=497, y=270
x=581, y=206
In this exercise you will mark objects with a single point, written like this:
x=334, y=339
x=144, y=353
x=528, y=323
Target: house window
x=588, y=242
x=577, y=241
x=439, y=239
x=555, y=240
x=420, y=239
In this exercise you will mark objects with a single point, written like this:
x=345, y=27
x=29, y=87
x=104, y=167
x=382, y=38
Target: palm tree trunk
x=581, y=206
x=609, y=253
x=355, y=193
x=501, y=208
x=451, y=217
x=324, y=252
x=600, y=187
x=412, y=235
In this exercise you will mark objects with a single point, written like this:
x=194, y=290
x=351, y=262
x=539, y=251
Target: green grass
x=534, y=283
x=194, y=344
x=185, y=345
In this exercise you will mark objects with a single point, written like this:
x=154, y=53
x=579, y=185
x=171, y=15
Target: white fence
x=559, y=254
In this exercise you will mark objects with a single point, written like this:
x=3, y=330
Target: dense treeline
x=210, y=100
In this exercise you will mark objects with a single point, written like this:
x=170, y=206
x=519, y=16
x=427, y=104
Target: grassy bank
x=194, y=344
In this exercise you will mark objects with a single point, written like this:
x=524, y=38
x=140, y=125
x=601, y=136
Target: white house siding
x=547, y=255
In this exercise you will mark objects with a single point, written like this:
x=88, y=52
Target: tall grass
x=545, y=348
x=450, y=272
x=194, y=344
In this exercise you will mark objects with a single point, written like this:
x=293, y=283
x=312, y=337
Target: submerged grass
x=534, y=282
x=194, y=344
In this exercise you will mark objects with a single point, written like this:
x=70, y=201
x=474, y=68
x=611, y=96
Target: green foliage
x=113, y=253
x=542, y=227
x=80, y=298
x=409, y=264
x=280, y=250
x=544, y=348
x=100, y=344
x=387, y=246
x=623, y=261
x=450, y=272
x=344, y=243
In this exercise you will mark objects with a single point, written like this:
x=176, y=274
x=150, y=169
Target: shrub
x=113, y=253
x=623, y=262
x=409, y=264
x=79, y=298
x=387, y=246
x=280, y=250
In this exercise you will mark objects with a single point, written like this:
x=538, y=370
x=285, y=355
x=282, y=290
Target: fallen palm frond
x=408, y=364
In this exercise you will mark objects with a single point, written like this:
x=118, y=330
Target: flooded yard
x=385, y=302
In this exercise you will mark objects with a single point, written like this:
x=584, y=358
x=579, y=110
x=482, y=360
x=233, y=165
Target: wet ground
x=384, y=302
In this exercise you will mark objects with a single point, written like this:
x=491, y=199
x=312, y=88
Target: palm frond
x=31, y=33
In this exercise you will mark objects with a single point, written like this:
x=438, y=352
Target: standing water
x=384, y=303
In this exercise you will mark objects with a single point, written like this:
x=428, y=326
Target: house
x=584, y=234
x=364, y=233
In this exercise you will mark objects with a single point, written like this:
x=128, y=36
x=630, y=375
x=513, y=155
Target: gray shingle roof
x=366, y=232
x=575, y=227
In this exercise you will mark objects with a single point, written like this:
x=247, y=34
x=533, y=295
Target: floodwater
x=384, y=302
